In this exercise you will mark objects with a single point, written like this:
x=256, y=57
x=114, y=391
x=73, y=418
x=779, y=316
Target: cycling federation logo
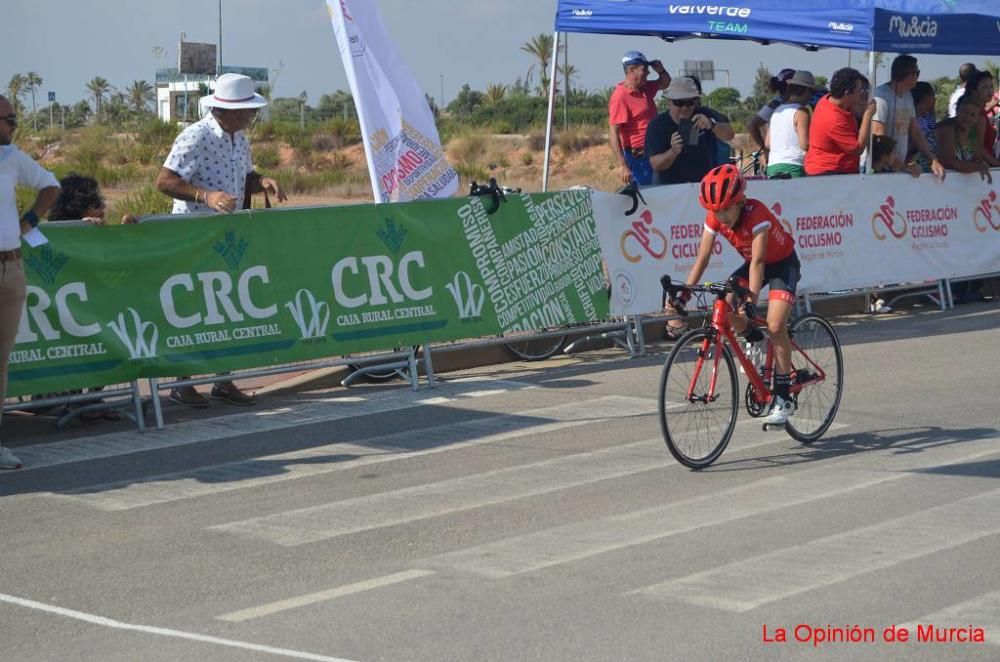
x=922, y=223
x=987, y=214
x=643, y=236
x=888, y=219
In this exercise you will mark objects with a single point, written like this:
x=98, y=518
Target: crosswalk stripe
x=40, y=456
x=316, y=523
x=982, y=612
x=126, y=495
x=748, y=584
x=322, y=596
x=573, y=542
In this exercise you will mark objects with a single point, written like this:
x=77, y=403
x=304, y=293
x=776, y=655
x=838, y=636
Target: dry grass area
x=317, y=173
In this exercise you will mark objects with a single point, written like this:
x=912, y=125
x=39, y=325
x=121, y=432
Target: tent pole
x=548, y=122
x=871, y=134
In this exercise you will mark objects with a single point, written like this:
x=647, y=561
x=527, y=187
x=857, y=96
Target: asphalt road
x=523, y=512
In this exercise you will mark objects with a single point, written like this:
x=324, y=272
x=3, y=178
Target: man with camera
x=680, y=142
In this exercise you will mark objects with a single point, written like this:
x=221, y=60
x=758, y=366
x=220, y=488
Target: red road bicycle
x=699, y=390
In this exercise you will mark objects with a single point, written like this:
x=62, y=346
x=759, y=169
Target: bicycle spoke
x=816, y=346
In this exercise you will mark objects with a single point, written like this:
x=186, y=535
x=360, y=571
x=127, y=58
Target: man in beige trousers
x=16, y=167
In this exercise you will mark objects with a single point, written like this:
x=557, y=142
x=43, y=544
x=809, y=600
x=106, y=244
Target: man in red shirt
x=835, y=138
x=629, y=111
x=769, y=258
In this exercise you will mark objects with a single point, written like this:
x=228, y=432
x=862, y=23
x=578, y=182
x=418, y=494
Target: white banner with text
x=851, y=231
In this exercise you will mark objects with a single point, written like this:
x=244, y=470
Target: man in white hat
x=630, y=110
x=209, y=169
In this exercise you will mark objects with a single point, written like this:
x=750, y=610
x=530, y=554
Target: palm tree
x=15, y=89
x=540, y=46
x=569, y=73
x=495, y=93
x=140, y=93
x=33, y=81
x=98, y=87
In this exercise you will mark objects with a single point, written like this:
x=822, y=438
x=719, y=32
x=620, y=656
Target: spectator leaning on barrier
x=680, y=143
x=895, y=115
x=209, y=169
x=788, y=134
x=957, y=137
x=980, y=87
x=755, y=127
x=964, y=72
x=630, y=110
x=16, y=168
x=836, y=139
x=80, y=199
x=924, y=100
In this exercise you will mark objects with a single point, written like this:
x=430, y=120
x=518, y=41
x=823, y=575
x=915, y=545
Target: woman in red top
x=769, y=254
x=835, y=138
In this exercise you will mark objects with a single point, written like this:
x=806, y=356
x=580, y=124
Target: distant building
x=176, y=91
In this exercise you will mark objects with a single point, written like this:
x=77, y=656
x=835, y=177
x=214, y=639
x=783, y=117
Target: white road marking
x=322, y=596
x=165, y=632
x=748, y=584
x=982, y=612
x=40, y=456
x=324, y=459
x=573, y=542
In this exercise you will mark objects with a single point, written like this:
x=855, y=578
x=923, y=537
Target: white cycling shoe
x=781, y=410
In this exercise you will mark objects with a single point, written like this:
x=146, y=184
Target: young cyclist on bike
x=770, y=257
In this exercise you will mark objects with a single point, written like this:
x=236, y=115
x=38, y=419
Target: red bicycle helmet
x=722, y=187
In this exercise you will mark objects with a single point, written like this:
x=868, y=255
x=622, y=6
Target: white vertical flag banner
x=405, y=160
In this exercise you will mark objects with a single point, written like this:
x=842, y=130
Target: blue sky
x=466, y=41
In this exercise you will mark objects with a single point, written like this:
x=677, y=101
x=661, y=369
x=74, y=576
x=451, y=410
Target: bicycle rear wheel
x=815, y=345
x=534, y=349
x=698, y=427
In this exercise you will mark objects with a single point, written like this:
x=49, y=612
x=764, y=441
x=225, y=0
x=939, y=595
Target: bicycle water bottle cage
x=493, y=190
x=632, y=190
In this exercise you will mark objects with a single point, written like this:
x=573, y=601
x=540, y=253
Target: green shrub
x=527, y=158
x=577, y=138
x=342, y=132
x=156, y=133
x=144, y=201
x=266, y=157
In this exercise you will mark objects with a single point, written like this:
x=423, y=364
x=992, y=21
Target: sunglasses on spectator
x=683, y=103
x=11, y=119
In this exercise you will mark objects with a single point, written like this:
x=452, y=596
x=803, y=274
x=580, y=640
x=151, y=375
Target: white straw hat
x=234, y=91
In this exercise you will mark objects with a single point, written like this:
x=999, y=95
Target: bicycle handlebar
x=718, y=289
x=632, y=189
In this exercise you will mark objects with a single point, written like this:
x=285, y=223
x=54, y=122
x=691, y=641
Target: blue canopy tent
x=943, y=27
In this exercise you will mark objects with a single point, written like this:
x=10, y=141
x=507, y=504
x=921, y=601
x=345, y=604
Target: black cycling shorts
x=780, y=277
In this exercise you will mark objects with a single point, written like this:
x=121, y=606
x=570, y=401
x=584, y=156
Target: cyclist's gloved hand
x=684, y=296
x=750, y=309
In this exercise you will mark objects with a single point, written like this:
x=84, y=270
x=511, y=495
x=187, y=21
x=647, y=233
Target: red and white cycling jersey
x=756, y=217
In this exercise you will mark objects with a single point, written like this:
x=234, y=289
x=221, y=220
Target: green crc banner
x=206, y=294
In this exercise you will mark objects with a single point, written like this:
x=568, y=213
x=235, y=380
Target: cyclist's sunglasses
x=684, y=103
x=11, y=119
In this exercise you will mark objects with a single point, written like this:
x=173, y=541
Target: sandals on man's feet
x=675, y=332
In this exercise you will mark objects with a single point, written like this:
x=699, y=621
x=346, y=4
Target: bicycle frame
x=722, y=331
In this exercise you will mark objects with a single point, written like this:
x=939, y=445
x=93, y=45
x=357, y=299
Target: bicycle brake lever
x=632, y=190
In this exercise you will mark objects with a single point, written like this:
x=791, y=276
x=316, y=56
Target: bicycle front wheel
x=815, y=348
x=699, y=398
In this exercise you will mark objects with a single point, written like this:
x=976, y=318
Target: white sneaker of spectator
x=878, y=306
x=8, y=460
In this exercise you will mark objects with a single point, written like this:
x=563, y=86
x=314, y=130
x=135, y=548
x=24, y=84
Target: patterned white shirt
x=16, y=167
x=204, y=155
